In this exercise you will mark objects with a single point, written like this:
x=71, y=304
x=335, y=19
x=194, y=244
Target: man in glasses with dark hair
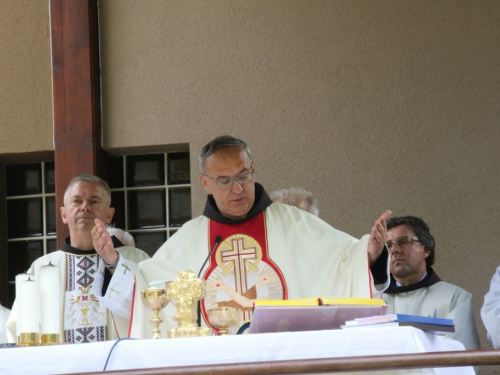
x=254, y=248
x=416, y=289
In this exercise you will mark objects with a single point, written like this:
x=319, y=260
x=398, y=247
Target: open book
x=311, y=314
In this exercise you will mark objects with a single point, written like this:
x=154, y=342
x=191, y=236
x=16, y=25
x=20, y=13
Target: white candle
x=19, y=278
x=28, y=313
x=50, y=300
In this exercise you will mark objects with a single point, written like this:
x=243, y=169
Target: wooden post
x=76, y=95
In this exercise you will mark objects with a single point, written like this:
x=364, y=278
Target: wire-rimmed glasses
x=401, y=242
x=224, y=183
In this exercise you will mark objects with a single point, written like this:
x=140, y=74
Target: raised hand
x=103, y=243
x=378, y=236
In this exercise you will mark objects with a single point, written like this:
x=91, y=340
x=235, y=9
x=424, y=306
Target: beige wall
x=25, y=80
x=368, y=104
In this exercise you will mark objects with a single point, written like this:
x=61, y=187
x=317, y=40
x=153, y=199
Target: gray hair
x=124, y=237
x=297, y=197
x=91, y=179
x=221, y=143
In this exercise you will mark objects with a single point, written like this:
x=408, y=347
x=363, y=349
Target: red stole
x=240, y=269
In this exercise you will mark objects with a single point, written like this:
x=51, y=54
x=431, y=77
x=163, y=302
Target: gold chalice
x=155, y=299
x=223, y=318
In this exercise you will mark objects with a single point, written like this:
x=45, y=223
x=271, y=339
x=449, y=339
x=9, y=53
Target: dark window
x=31, y=216
x=151, y=195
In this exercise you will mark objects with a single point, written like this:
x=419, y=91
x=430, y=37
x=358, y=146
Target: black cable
x=218, y=240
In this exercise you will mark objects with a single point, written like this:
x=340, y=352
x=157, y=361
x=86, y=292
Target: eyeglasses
x=227, y=182
x=401, y=241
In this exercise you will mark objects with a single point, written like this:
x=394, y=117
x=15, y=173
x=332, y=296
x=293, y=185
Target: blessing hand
x=378, y=236
x=103, y=243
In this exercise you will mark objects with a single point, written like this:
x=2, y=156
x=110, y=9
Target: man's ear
x=204, y=182
x=111, y=212
x=63, y=215
x=426, y=253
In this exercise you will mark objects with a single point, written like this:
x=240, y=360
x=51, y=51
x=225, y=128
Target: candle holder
x=51, y=338
x=155, y=299
x=29, y=339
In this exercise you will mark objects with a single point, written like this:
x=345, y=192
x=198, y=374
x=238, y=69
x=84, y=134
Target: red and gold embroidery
x=240, y=269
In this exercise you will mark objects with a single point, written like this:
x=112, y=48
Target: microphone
x=218, y=240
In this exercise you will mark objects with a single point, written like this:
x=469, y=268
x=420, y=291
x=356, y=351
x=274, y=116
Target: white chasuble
x=283, y=253
x=84, y=318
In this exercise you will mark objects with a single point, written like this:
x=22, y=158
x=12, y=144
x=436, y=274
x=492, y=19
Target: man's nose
x=394, y=249
x=85, y=206
x=236, y=187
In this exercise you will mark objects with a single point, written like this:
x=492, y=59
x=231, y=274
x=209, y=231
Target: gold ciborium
x=155, y=299
x=184, y=294
x=223, y=318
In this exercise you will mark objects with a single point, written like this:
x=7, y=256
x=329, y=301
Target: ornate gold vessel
x=184, y=293
x=155, y=299
x=223, y=318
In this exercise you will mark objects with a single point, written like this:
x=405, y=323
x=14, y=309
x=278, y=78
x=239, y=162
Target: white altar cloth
x=134, y=354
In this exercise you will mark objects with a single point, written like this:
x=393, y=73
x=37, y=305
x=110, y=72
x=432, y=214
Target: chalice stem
x=156, y=320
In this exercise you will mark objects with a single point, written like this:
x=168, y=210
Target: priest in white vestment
x=83, y=318
x=4, y=315
x=416, y=289
x=297, y=197
x=261, y=250
x=490, y=311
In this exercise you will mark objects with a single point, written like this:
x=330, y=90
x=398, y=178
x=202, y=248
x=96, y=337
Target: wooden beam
x=76, y=95
x=331, y=365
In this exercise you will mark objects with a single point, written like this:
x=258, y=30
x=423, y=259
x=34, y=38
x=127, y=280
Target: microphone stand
x=218, y=240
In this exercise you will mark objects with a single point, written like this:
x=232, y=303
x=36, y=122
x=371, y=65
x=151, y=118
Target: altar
x=141, y=354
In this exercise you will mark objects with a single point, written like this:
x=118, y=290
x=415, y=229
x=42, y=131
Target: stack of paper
x=311, y=314
x=424, y=323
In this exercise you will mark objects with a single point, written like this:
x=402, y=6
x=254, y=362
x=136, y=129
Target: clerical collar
x=399, y=284
x=262, y=201
x=429, y=279
x=67, y=248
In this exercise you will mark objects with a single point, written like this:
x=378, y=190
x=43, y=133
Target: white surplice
x=312, y=259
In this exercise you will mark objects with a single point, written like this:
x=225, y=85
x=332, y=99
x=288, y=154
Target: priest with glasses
x=416, y=289
x=256, y=249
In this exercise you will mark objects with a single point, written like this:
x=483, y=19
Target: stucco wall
x=369, y=104
x=25, y=78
